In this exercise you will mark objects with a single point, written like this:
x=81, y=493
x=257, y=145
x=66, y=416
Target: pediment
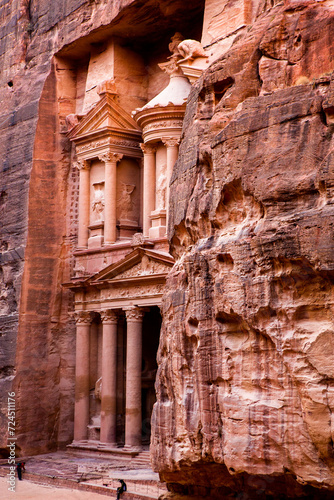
x=139, y=264
x=106, y=114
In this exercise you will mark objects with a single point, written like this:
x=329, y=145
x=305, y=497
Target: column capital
x=109, y=317
x=83, y=317
x=148, y=149
x=110, y=157
x=82, y=164
x=134, y=314
x=171, y=142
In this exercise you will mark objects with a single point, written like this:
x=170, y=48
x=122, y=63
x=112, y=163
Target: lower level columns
x=81, y=407
x=133, y=412
x=109, y=377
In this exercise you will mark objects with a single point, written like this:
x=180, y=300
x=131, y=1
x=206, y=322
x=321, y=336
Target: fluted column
x=109, y=377
x=81, y=408
x=133, y=416
x=110, y=204
x=172, y=146
x=148, y=185
x=84, y=202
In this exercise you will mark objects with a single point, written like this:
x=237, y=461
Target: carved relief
x=125, y=202
x=145, y=267
x=134, y=314
x=137, y=239
x=94, y=145
x=82, y=317
x=163, y=124
x=109, y=316
x=132, y=292
x=190, y=49
x=98, y=202
x=171, y=142
x=81, y=164
x=110, y=157
x=161, y=189
x=98, y=388
x=148, y=149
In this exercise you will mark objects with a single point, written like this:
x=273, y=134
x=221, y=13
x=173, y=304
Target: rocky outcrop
x=245, y=383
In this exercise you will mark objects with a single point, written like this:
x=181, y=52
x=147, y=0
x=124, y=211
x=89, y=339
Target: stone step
x=143, y=458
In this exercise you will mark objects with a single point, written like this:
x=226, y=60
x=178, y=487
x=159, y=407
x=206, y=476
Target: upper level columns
x=81, y=408
x=110, y=161
x=172, y=146
x=149, y=185
x=84, y=202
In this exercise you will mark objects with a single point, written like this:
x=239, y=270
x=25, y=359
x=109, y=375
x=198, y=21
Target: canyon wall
x=245, y=383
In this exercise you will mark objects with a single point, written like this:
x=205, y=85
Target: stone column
x=109, y=378
x=148, y=185
x=84, y=202
x=172, y=146
x=110, y=196
x=81, y=407
x=133, y=417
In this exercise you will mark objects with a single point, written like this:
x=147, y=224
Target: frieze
x=97, y=144
x=163, y=124
x=133, y=291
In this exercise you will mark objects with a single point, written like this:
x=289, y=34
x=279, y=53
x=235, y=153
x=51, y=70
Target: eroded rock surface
x=245, y=384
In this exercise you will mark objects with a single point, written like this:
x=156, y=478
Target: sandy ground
x=25, y=490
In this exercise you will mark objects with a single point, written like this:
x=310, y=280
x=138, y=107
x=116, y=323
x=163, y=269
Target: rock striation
x=245, y=385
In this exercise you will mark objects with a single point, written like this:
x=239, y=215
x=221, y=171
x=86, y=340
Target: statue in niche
x=98, y=202
x=98, y=388
x=161, y=190
x=125, y=203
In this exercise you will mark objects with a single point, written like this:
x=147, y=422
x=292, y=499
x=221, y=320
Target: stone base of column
x=132, y=449
x=158, y=224
x=107, y=445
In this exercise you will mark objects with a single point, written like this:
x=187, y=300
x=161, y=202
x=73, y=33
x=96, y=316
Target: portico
x=118, y=322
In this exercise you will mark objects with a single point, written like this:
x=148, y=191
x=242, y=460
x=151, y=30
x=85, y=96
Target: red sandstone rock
x=248, y=307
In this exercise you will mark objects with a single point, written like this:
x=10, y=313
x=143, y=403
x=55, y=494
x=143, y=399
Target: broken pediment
x=139, y=264
x=105, y=115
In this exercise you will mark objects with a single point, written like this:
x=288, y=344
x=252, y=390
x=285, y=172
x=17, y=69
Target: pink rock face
x=245, y=384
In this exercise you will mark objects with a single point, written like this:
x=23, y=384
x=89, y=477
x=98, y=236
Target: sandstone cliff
x=245, y=384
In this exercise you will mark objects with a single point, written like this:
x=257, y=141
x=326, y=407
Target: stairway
x=141, y=460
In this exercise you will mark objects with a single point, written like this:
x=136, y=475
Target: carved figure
x=173, y=46
x=98, y=203
x=125, y=202
x=161, y=191
x=190, y=49
x=98, y=388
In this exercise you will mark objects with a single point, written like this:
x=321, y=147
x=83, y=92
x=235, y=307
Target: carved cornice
x=81, y=164
x=134, y=314
x=110, y=157
x=82, y=317
x=148, y=149
x=109, y=317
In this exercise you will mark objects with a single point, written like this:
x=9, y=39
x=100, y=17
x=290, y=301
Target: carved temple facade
x=125, y=160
